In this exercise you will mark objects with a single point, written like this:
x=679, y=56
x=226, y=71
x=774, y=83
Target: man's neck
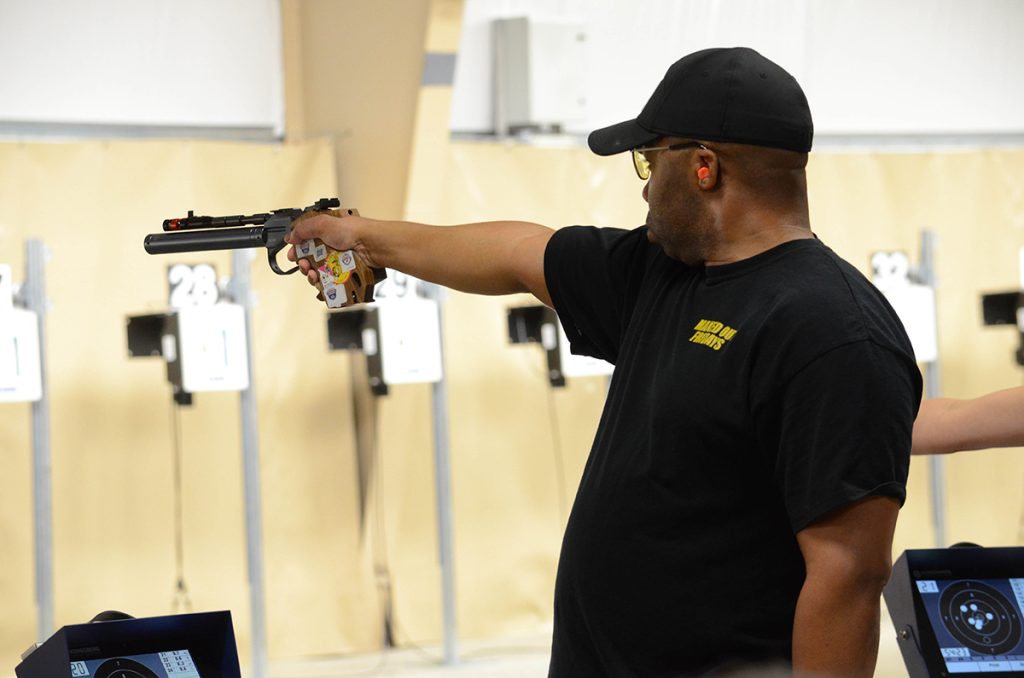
x=742, y=241
x=747, y=233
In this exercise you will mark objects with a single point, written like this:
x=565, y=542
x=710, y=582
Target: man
x=740, y=497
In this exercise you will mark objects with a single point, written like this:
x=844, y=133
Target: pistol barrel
x=201, y=241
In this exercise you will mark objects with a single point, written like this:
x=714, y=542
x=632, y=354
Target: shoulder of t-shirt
x=834, y=302
x=608, y=238
x=825, y=281
x=621, y=254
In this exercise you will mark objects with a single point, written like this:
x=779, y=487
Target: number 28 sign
x=192, y=285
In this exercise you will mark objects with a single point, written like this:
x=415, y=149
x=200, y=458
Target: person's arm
x=847, y=554
x=947, y=424
x=499, y=257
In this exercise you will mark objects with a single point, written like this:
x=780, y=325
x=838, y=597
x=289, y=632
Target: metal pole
x=443, y=492
x=933, y=389
x=240, y=289
x=35, y=301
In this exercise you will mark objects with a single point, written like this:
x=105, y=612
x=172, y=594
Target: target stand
x=959, y=611
x=537, y=323
x=1006, y=308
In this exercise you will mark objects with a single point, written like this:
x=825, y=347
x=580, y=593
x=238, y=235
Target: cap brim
x=621, y=137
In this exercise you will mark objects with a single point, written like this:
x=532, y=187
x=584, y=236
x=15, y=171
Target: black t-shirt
x=748, y=400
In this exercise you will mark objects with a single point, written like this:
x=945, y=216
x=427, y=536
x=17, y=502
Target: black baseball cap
x=732, y=95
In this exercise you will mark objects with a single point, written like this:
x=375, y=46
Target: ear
x=707, y=169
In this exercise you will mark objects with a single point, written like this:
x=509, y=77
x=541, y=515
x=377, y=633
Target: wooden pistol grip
x=345, y=279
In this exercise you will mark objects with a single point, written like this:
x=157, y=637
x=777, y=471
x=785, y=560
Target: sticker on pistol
x=305, y=248
x=335, y=268
x=348, y=261
x=320, y=253
x=335, y=296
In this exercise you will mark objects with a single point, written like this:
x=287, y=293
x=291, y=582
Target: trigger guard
x=272, y=258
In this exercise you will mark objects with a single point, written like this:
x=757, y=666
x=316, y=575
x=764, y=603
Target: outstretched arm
x=948, y=424
x=498, y=257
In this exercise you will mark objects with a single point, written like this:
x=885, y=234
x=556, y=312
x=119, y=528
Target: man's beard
x=685, y=232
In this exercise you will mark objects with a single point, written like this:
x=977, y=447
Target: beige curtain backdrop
x=93, y=202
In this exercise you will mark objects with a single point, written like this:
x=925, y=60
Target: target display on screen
x=977, y=623
x=177, y=664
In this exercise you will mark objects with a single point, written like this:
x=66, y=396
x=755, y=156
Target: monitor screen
x=976, y=622
x=175, y=664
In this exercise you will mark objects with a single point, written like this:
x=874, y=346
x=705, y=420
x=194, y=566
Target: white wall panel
x=186, y=63
x=869, y=67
